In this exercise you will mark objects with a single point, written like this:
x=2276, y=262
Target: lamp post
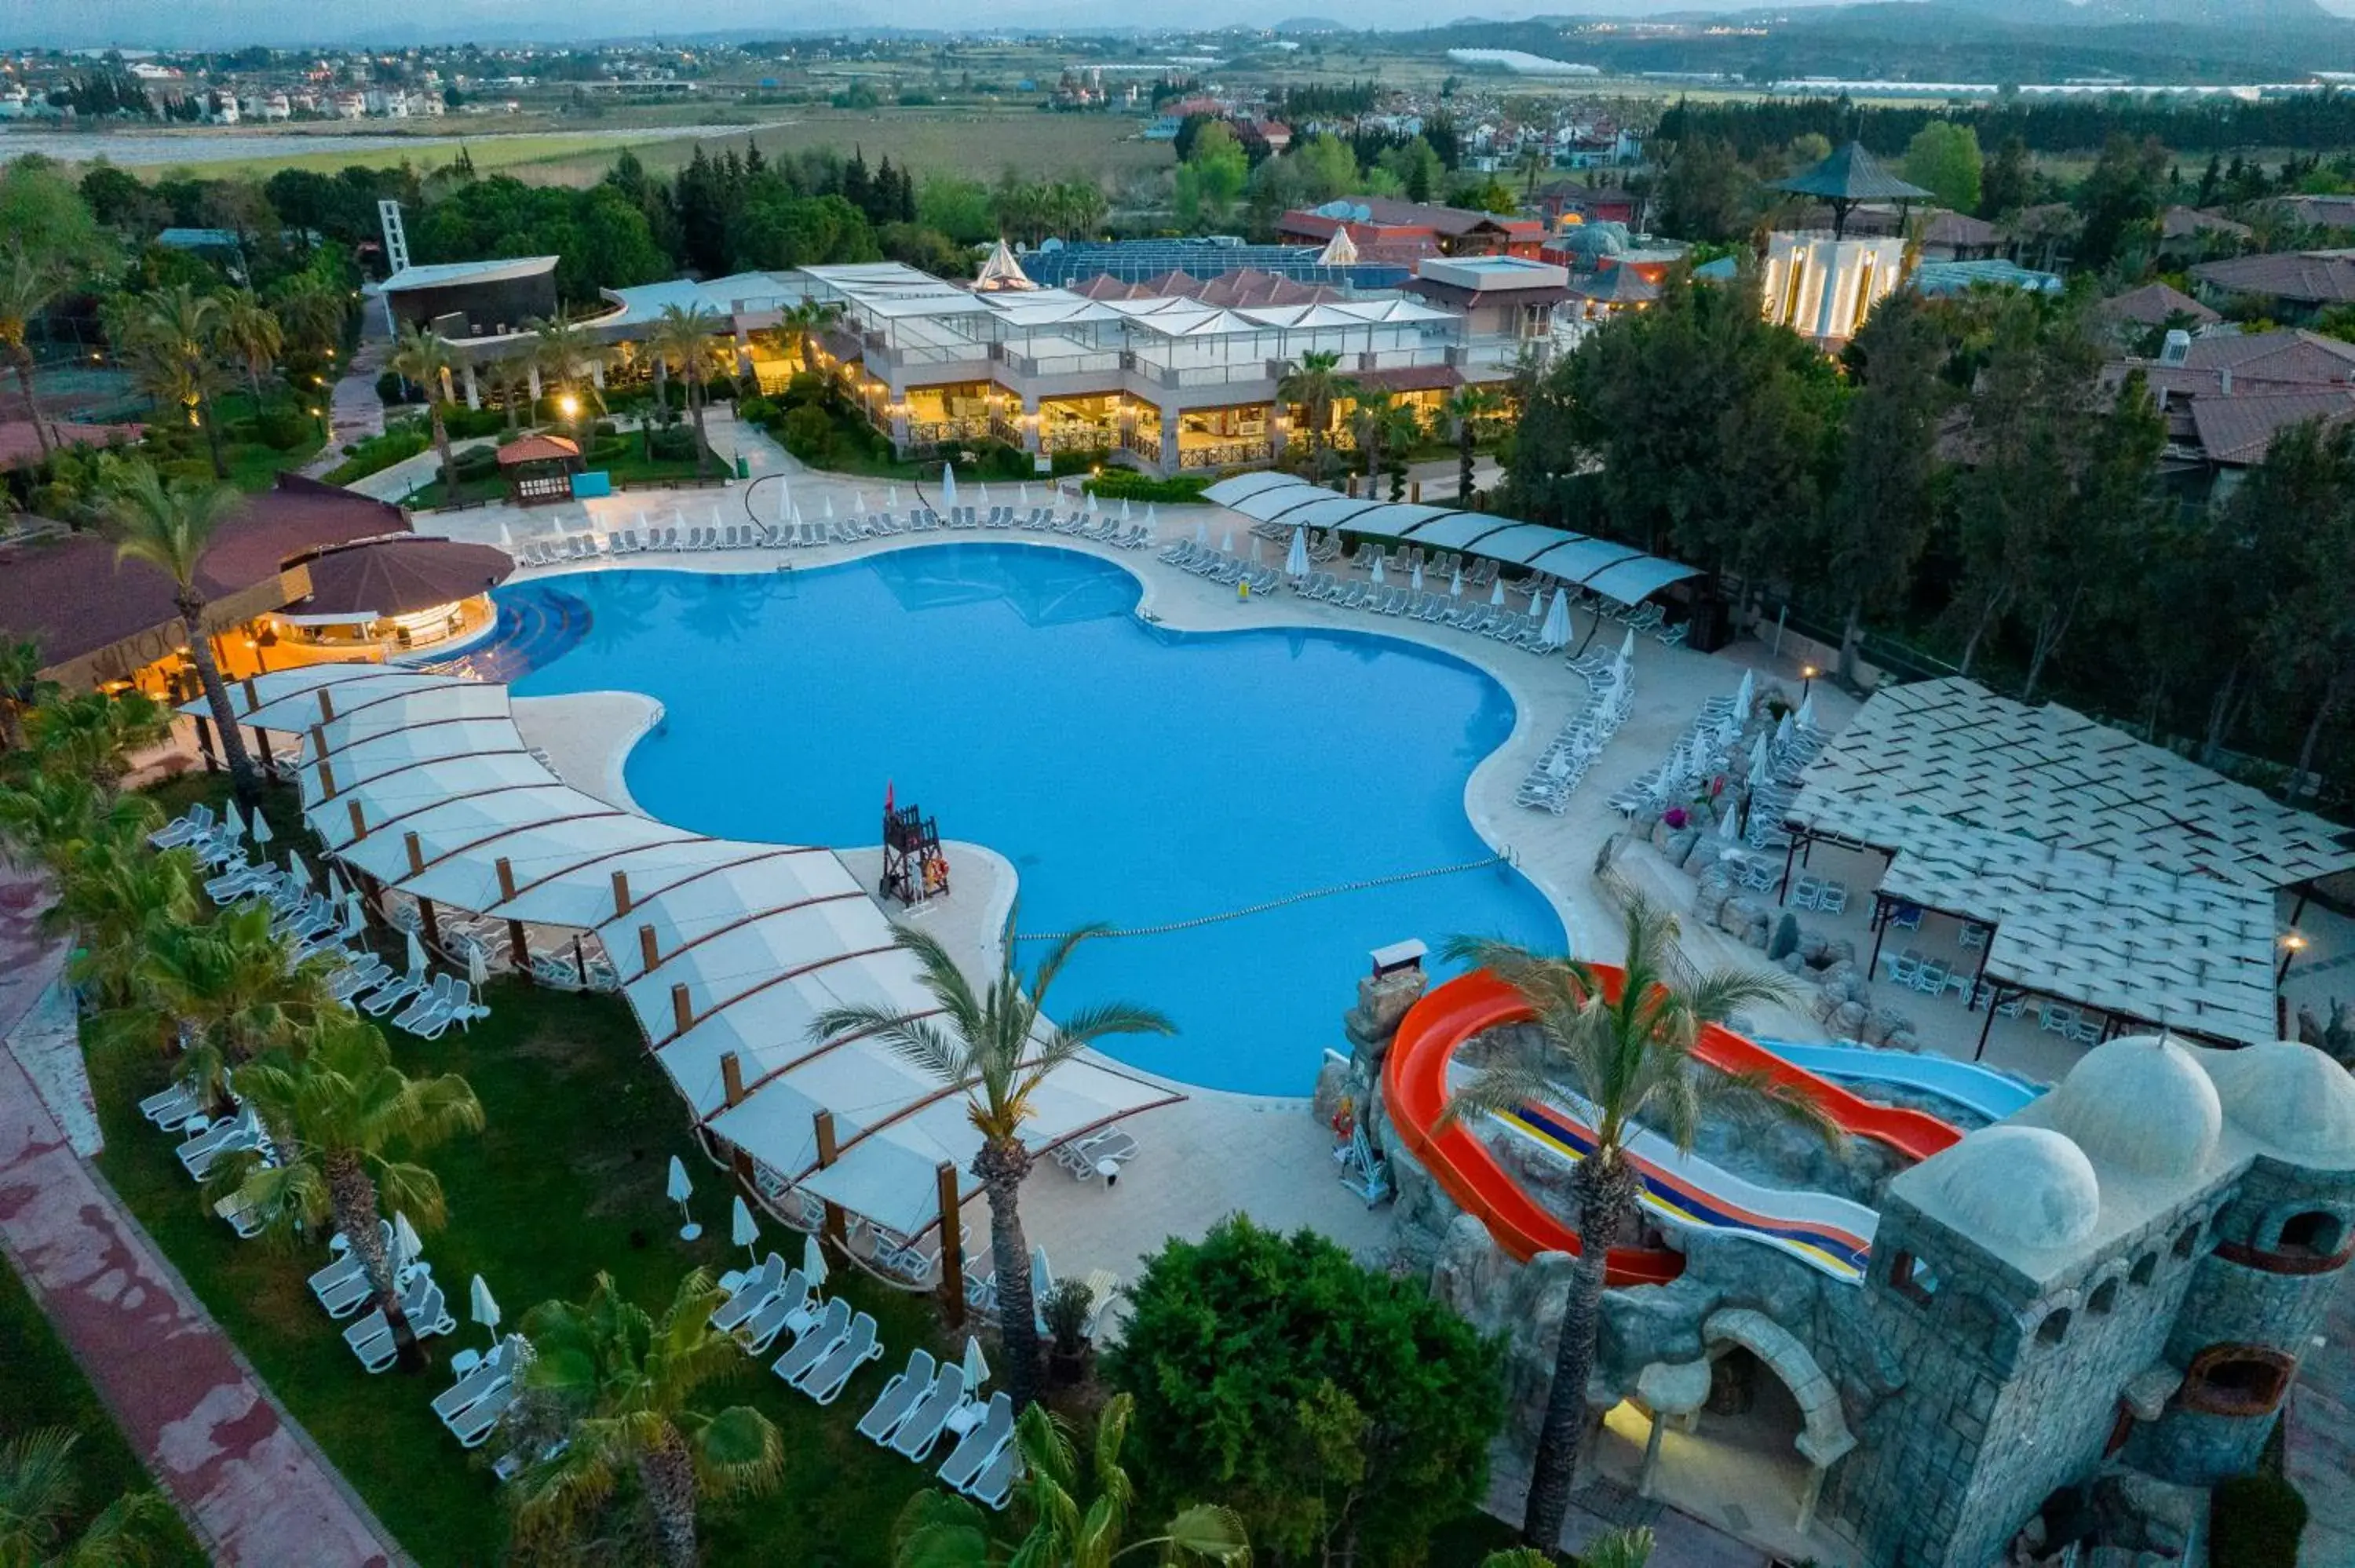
x=1807, y=673
x=2292, y=945
x=569, y=407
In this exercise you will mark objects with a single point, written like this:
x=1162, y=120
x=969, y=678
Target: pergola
x=2111, y=874
x=539, y=468
x=727, y=949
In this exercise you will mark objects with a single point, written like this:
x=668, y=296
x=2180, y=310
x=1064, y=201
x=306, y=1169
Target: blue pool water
x=1133, y=775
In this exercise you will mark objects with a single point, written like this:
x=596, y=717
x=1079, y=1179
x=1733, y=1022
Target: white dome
x=2140, y=1103
x=2021, y=1186
x=2291, y=1096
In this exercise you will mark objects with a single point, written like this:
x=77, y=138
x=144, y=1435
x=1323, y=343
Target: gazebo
x=539, y=468
x=1849, y=179
x=402, y=592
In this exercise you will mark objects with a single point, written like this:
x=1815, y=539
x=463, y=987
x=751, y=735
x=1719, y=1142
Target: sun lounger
x=196, y=1155
x=371, y=1339
x=432, y=999
x=979, y=1445
x=906, y=1389
x=788, y=1308
x=479, y=1383
x=921, y=1429
x=170, y=1109
x=751, y=1295
x=195, y=825
x=815, y=1344
x=997, y=1480
x=358, y=977
x=825, y=1381
x=386, y=998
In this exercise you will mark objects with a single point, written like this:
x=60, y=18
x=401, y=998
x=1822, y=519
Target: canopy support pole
x=433, y=926
x=952, y=1249
x=204, y=744
x=1880, y=932
x=827, y=1154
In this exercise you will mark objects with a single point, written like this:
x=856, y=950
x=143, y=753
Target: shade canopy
x=728, y=948
x=399, y=576
x=1618, y=572
x=1851, y=174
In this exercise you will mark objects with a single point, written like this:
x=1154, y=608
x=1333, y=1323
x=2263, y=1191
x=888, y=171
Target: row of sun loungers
x=1562, y=767
x=1219, y=568
x=589, y=547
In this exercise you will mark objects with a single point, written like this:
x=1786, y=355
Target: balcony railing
x=1079, y=438
x=1225, y=454
x=938, y=432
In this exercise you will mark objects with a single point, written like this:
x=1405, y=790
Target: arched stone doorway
x=1824, y=1438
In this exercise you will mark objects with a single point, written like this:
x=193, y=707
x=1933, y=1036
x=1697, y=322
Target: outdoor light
x=1807, y=673
x=2291, y=946
x=569, y=404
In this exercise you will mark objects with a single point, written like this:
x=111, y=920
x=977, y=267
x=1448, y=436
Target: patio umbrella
x=1627, y=647
x=262, y=834
x=976, y=1371
x=1728, y=827
x=506, y=539
x=1227, y=545
x=828, y=502
x=299, y=869
x=478, y=969
x=235, y=822
x=1378, y=568
x=1042, y=1276
x=1758, y=763
x=1414, y=578
x=1807, y=711
x=741, y=1229
x=1497, y=594
x=859, y=502
x=1022, y=495
x=982, y=495
x=948, y=485
x=1295, y=559
x=681, y=1189
x=1254, y=549
x=1124, y=508
x=1151, y=523
x=1456, y=583
x=404, y=1237
x=1203, y=533
x=892, y=497
x=1557, y=620
x=482, y=1308
x=1537, y=596
x=1744, y=695
x=812, y=1260
x=416, y=954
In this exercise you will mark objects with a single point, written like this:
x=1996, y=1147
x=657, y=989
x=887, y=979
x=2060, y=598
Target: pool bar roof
x=1618, y=572
x=725, y=948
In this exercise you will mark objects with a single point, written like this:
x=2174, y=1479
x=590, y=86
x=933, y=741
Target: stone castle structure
x=2087, y=1312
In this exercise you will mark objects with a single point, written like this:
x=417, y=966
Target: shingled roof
x=1851, y=174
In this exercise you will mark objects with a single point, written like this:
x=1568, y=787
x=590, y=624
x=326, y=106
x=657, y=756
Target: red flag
x=886, y=796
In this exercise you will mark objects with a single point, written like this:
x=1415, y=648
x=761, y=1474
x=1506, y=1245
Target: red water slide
x=1414, y=1090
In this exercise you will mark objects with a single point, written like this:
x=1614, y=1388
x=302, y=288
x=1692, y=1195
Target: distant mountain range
x=2173, y=13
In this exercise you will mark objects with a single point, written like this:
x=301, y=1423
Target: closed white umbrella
x=1295, y=559
x=237, y=827
x=1042, y=1278
x=478, y=969
x=416, y=954
x=981, y=497
x=892, y=498
x=1202, y=533
x=299, y=869
x=262, y=834
x=1807, y=711
x=334, y=881
x=1627, y=647
x=404, y=1237
x=1254, y=549
x=1728, y=827
x=827, y=503
x=1758, y=763
x=1557, y=620
x=680, y=1190
x=812, y=1261
x=948, y=485
x=1227, y=545
x=976, y=1370
x=1782, y=733
x=1150, y=522
x=1745, y=693
x=1456, y=583
x=1537, y=596
x=1414, y=578
x=859, y=502
x=482, y=1307
x=506, y=539
x=1497, y=594
x=1378, y=568
x=741, y=1228
x=1124, y=508
x=1022, y=495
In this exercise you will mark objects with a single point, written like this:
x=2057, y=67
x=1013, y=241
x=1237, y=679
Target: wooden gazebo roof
x=539, y=449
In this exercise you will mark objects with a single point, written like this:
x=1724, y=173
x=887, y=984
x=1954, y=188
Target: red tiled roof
x=2298, y=279
x=2240, y=430
x=538, y=449
x=2154, y=304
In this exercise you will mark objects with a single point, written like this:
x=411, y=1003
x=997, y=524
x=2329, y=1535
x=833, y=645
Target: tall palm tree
x=21, y=687
x=311, y=312
x=172, y=342
x=252, y=335
x=1314, y=387
x=422, y=357
x=637, y=1379
x=682, y=336
x=941, y=1529
x=1380, y=424
x=511, y=376
x=1465, y=408
x=1612, y=1060
x=27, y=283
x=565, y=354
x=337, y=1110
x=998, y=1046
x=230, y=989
x=38, y=1495
x=51, y=815
x=170, y=526
x=803, y=321
x=1629, y=1548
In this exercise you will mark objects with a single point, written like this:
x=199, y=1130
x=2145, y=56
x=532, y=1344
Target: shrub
x=1127, y=485
x=1069, y=462
x=603, y=429
x=2255, y=1524
x=809, y=432
x=1335, y=1408
x=283, y=430
x=475, y=462
x=392, y=391
x=403, y=440
x=462, y=421
x=806, y=386
x=758, y=411
x=672, y=443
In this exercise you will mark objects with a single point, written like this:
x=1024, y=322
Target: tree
x=1878, y=518
x=1944, y=159
x=1613, y=1056
x=228, y=991
x=120, y=897
x=171, y=340
x=91, y=735
x=1706, y=193
x=2119, y=201
x=1213, y=175
x=20, y=687
x=27, y=283
x=1328, y=167
x=1337, y=1409
x=311, y=312
x=252, y=335
x=423, y=359
x=1465, y=408
x=565, y=354
x=170, y=527
x=998, y=1047
x=1629, y=1548
x=1314, y=387
x=337, y=1111
x=37, y=1496
x=633, y=1378
x=55, y=815
x=1381, y=425
x=2007, y=184
x=941, y=1529
x=682, y=336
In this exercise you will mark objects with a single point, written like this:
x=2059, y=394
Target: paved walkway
x=250, y=1482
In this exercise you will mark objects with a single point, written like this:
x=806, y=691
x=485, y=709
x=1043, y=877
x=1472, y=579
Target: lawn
x=45, y=1388
x=566, y=1179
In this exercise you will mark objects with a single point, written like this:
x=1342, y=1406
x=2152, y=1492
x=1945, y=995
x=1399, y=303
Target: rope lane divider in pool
x=1507, y=858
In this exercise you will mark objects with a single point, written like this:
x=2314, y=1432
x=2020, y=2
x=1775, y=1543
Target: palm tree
x=253, y=336
x=635, y=1378
x=230, y=989
x=996, y=1046
x=1467, y=407
x=311, y=312
x=1612, y=1057
x=27, y=284
x=1380, y=423
x=1313, y=388
x=682, y=336
x=511, y=376
x=38, y=1490
x=170, y=527
x=21, y=686
x=422, y=358
x=1629, y=1548
x=92, y=734
x=803, y=321
x=336, y=1109
x=171, y=340
x=119, y=897
x=941, y=1529
x=53, y=814
x=565, y=354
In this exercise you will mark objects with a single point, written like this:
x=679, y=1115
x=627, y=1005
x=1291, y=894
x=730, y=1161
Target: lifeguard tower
x=914, y=869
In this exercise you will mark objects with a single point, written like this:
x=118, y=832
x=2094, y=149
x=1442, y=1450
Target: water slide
x=1828, y=1231
x=1991, y=1093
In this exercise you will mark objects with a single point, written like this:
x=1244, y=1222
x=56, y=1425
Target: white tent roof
x=762, y=937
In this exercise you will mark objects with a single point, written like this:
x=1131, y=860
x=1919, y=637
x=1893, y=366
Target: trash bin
x=743, y=469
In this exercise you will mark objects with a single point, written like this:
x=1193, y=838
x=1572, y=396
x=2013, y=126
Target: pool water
x=1133, y=775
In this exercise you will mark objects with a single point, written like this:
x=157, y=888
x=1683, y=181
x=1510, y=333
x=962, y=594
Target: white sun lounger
x=921, y=1429
x=195, y=825
x=479, y=1383
x=789, y=1307
x=980, y=1443
x=751, y=1295
x=825, y=1381
x=814, y=1346
x=371, y=1339
x=902, y=1394
x=997, y=1479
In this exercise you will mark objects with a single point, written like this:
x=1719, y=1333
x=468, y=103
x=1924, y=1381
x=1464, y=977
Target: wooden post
x=952, y=1249
x=649, y=954
x=416, y=854
x=621, y=894
x=261, y=744
x=504, y=870
x=682, y=1011
x=731, y=1088
x=827, y=1154
x=433, y=924
x=359, y=824
x=326, y=706
x=328, y=780
x=204, y=744
x=252, y=702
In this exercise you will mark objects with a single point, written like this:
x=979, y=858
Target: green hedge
x=1127, y=485
x=373, y=454
x=2255, y=1522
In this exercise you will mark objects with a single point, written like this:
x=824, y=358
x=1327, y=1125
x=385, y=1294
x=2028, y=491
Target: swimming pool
x=1133, y=775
